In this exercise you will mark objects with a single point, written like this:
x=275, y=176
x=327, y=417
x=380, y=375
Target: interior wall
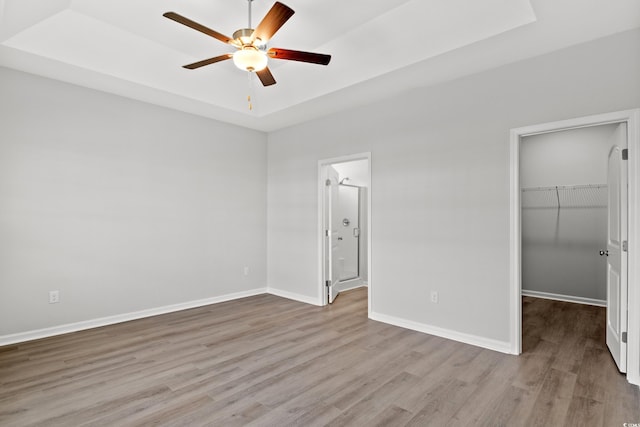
x=440, y=180
x=121, y=206
x=560, y=246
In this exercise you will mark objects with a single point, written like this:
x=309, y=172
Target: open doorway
x=573, y=213
x=555, y=220
x=564, y=199
x=344, y=187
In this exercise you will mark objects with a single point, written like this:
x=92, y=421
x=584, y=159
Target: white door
x=616, y=250
x=331, y=224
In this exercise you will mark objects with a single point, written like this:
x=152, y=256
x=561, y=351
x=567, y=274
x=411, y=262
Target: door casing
x=632, y=119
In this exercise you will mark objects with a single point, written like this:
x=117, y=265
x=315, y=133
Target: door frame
x=322, y=165
x=632, y=119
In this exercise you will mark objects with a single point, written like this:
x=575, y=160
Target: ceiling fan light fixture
x=252, y=54
x=250, y=59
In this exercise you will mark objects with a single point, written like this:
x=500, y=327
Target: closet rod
x=565, y=187
x=566, y=196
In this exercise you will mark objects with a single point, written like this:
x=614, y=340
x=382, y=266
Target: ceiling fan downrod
x=243, y=35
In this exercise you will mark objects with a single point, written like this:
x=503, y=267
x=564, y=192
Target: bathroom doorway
x=344, y=190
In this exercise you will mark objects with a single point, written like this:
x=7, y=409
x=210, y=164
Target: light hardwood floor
x=269, y=361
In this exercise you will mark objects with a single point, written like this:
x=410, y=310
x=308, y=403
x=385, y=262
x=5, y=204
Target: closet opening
x=564, y=199
x=572, y=218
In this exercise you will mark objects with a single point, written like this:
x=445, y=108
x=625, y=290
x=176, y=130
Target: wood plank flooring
x=269, y=361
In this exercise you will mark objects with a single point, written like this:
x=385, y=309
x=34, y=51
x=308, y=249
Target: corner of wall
x=478, y=341
x=125, y=317
x=294, y=296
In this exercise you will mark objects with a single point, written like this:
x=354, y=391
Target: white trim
x=322, y=164
x=632, y=118
x=293, y=296
x=515, y=245
x=352, y=284
x=119, y=318
x=495, y=345
x=565, y=298
x=633, y=234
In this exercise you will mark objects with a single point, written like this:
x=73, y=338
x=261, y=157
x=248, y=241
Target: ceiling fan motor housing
x=243, y=36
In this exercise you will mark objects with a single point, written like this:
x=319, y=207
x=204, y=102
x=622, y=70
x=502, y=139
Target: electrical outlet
x=434, y=297
x=54, y=297
x=246, y=271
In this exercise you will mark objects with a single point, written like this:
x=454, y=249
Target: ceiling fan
x=252, y=54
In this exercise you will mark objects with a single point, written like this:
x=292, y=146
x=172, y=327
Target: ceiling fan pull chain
x=250, y=92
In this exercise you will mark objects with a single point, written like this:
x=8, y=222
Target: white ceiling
x=378, y=48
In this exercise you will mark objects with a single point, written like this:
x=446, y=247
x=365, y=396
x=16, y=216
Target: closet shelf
x=565, y=196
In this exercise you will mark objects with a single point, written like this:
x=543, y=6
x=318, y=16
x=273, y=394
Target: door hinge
x=625, y=154
x=326, y=233
x=624, y=337
x=327, y=183
x=328, y=282
x=625, y=246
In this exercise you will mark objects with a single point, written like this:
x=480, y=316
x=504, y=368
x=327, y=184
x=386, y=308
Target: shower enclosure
x=348, y=250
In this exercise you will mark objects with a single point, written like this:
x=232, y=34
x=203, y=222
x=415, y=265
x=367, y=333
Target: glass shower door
x=349, y=232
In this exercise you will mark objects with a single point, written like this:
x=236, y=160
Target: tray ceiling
x=378, y=47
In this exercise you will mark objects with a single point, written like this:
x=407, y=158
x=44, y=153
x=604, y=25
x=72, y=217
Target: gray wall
x=560, y=247
x=120, y=205
x=440, y=181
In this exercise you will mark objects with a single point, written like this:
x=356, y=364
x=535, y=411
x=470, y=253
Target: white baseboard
x=110, y=320
x=354, y=286
x=292, y=295
x=490, y=344
x=119, y=318
x=566, y=298
x=351, y=284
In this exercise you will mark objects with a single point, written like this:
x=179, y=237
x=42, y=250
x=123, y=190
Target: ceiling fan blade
x=266, y=77
x=297, y=55
x=199, y=27
x=273, y=20
x=208, y=61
